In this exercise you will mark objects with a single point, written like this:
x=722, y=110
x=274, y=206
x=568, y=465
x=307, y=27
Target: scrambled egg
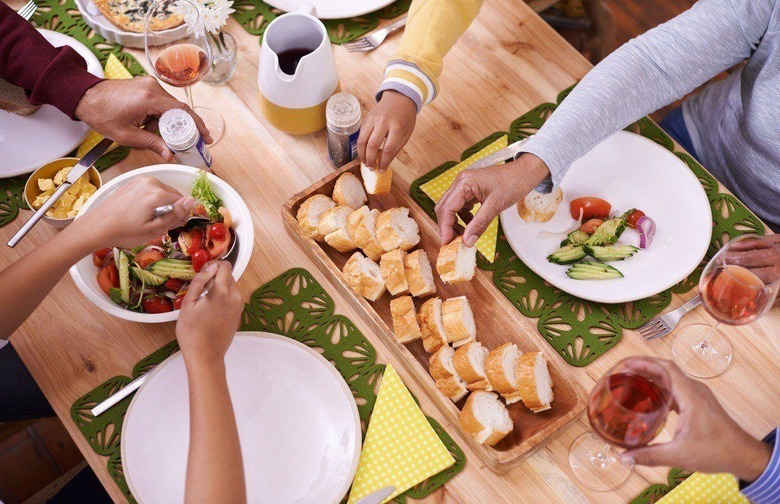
x=71, y=202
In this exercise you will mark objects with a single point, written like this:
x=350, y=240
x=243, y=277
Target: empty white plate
x=629, y=171
x=333, y=9
x=297, y=421
x=28, y=142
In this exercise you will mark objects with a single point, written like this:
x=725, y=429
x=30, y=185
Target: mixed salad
x=154, y=277
x=594, y=240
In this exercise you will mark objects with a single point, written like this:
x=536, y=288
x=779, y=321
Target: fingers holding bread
x=377, y=182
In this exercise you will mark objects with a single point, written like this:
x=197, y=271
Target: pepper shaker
x=343, y=115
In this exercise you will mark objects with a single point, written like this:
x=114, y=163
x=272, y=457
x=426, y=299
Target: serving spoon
x=232, y=247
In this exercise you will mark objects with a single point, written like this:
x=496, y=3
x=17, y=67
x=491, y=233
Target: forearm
x=760, y=478
x=215, y=470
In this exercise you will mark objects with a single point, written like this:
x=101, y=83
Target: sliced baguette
x=405, y=325
x=361, y=225
x=419, y=274
x=500, y=368
x=375, y=182
x=538, y=207
x=431, y=326
x=458, y=321
x=310, y=212
x=363, y=276
x=392, y=267
x=484, y=417
x=456, y=262
x=443, y=371
x=534, y=381
x=349, y=191
x=396, y=229
x=334, y=219
x=470, y=364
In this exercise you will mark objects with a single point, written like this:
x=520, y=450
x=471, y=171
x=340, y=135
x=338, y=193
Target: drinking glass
x=181, y=56
x=733, y=295
x=627, y=408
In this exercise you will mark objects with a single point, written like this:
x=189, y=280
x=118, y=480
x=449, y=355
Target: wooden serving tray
x=497, y=323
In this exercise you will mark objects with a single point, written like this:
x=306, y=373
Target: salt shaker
x=179, y=131
x=343, y=119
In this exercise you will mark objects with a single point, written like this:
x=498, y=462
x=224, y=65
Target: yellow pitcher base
x=296, y=121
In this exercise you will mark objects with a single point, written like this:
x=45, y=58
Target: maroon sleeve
x=57, y=76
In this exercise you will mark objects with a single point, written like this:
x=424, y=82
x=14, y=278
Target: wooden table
x=508, y=62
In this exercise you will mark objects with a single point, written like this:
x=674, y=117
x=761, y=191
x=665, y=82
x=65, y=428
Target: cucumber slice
x=577, y=237
x=124, y=276
x=147, y=277
x=606, y=254
x=567, y=255
x=173, y=268
x=608, y=233
x=593, y=271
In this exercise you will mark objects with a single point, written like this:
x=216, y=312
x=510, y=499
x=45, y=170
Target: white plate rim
x=266, y=335
x=284, y=6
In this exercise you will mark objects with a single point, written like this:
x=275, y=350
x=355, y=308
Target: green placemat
x=255, y=15
x=294, y=305
x=654, y=493
x=65, y=18
x=579, y=330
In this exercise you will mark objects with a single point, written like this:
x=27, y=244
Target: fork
x=664, y=324
x=365, y=44
x=28, y=10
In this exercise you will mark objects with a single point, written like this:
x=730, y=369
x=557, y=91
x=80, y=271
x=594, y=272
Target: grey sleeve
x=649, y=72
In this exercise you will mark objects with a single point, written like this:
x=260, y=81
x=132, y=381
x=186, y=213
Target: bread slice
x=333, y=226
x=470, y=364
x=419, y=274
x=395, y=229
x=362, y=274
x=538, y=207
x=456, y=262
x=361, y=225
x=405, y=325
x=349, y=191
x=340, y=240
x=375, y=182
x=443, y=371
x=13, y=99
x=534, y=381
x=310, y=212
x=484, y=417
x=431, y=326
x=500, y=368
x=458, y=321
x=392, y=267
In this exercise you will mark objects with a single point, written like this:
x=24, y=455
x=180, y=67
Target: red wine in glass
x=181, y=65
x=734, y=295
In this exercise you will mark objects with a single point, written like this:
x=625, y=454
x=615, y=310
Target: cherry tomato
x=217, y=230
x=179, y=300
x=590, y=226
x=200, y=210
x=591, y=208
x=174, y=284
x=633, y=217
x=99, y=257
x=156, y=304
x=148, y=256
x=108, y=278
x=199, y=259
x=217, y=246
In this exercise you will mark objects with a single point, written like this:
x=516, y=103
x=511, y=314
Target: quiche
x=130, y=15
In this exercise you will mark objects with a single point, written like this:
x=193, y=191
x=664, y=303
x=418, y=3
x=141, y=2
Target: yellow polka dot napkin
x=436, y=188
x=401, y=448
x=114, y=70
x=706, y=489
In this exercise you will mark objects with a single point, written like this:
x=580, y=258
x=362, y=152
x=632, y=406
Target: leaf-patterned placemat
x=579, y=330
x=64, y=17
x=654, y=493
x=293, y=305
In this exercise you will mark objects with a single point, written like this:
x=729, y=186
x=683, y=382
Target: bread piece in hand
x=405, y=325
x=456, y=261
x=500, y=368
x=349, y=191
x=361, y=225
x=443, y=371
x=395, y=229
x=362, y=274
x=486, y=418
x=458, y=321
x=310, y=212
x=538, y=207
x=14, y=100
x=470, y=364
x=534, y=381
x=419, y=274
x=431, y=326
x=391, y=264
x=375, y=182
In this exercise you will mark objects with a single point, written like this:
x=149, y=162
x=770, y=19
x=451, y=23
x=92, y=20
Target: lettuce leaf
x=203, y=193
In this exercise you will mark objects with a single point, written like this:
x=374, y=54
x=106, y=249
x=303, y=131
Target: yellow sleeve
x=432, y=28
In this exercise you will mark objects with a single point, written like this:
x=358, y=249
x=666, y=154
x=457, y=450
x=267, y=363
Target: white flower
x=184, y=7
x=213, y=13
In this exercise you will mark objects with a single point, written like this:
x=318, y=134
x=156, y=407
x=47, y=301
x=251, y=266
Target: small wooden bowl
x=47, y=171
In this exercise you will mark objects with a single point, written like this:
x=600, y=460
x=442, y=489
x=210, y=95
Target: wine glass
x=627, y=408
x=733, y=295
x=181, y=56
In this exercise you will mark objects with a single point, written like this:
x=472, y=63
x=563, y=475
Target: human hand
x=120, y=108
x=125, y=218
x=707, y=438
x=496, y=188
x=207, y=325
x=393, y=118
x=759, y=254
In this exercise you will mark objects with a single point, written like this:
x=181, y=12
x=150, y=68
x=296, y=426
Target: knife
x=124, y=392
x=84, y=164
x=504, y=154
x=378, y=496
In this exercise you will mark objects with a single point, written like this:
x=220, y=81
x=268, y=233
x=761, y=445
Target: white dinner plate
x=629, y=171
x=333, y=9
x=28, y=142
x=297, y=422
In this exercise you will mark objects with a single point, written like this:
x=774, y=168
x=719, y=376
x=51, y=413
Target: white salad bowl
x=181, y=178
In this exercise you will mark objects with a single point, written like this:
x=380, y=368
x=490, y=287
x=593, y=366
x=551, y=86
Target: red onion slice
x=646, y=227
